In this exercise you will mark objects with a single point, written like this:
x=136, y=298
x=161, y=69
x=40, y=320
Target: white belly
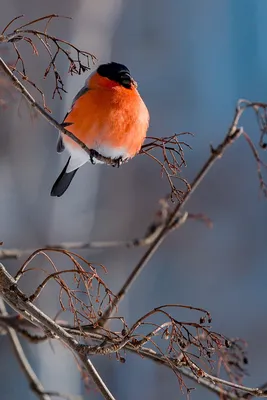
x=79, y=157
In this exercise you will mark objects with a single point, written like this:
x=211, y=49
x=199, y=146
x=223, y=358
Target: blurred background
x=192, y=60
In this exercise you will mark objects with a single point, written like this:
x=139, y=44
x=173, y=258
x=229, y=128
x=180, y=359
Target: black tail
x=60, y=144
x=63, y=181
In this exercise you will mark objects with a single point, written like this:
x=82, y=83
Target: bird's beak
x=134, y=83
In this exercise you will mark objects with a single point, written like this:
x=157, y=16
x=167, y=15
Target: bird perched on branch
x=109, y=116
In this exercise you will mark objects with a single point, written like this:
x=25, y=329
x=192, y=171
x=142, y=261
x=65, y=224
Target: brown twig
x=216, y=153
x=152, y=232
x=174, y=219
x=27, y=33
x=233, y=133
x=206, y=380
x=173, y=159
x=21, y=326
x=19, y=302
x=85, y=297
x=42, y=111
x=171, y=148
x=201, y=377
x=260, y=164
x=18, y=85
x=32, y=379
x=251, y=394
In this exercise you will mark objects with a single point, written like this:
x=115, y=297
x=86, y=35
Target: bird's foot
x=66, y=124
x=117, y=162
x=93, y=153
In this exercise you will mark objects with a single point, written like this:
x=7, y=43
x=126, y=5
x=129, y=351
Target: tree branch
x=211, y=382
x=233, y=133
x=34, y=382
x=19, y=302
x=170, y=146
x=18, y=85
x=151, y=234
x=173, y=220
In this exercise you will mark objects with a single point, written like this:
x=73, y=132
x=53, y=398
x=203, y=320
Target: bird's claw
x=92, y=155
x=117, y=162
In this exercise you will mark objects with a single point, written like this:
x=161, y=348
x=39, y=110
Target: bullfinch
x=109, y=116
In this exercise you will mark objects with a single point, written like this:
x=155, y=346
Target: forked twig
x=27, y=33
x=18, y=301
x=184, y=348
x=233, y=133
x=171, y=148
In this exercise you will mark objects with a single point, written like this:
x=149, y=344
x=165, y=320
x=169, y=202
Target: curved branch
x=233, y=133
x=18, y=85
x=210, y=382
x=19, y=302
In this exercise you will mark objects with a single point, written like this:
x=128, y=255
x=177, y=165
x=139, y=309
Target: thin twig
x=19, y=302
x=21, y=326
x=233, y=133
x=204, y=379
x=152, y=232
x=32, y=379
x=250, y=395
x=17, y=253
x=173, y=220
x=18, y=85
x=171, y=147
x=77, y=65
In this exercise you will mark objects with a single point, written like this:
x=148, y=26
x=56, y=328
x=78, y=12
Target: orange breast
x=110, y=117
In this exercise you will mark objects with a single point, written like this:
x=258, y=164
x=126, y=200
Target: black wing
x=60, y=143
x=81, y=92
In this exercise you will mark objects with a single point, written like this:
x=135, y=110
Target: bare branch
x=192, y=372
x=19, y=302
x=21, y=326
x=11, y=22
x=170, y=147
x=188, y=342
x=52, y=45
x=260, y=164
x=173, y=159
x=233, y=133
x=32, y=379
x=152, y=232
x=18, y=85
x=206, y=380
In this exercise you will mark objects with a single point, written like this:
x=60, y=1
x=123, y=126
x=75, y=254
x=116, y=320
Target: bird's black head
x=116, y=72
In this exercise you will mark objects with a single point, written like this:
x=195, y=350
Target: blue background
x=193, y=60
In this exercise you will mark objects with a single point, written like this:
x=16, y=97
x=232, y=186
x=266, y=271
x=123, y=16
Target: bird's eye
x=126, y=82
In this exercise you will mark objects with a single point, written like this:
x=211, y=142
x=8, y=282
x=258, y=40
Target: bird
x=109, y=116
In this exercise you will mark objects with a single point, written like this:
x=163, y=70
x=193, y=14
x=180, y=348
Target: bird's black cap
x=116, y=72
